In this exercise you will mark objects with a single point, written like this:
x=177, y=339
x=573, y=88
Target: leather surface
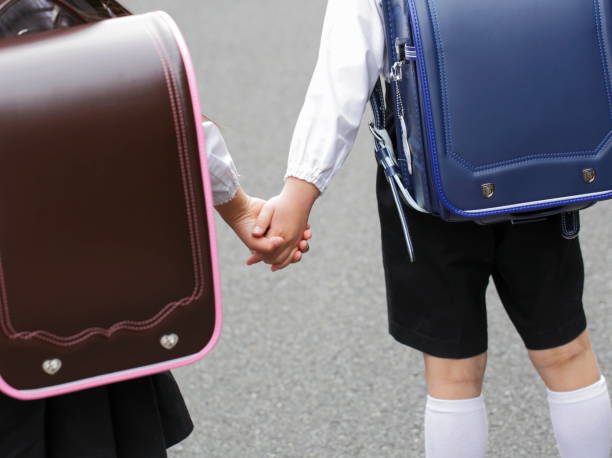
x=516, y=93
x=103, y=239
x=395, y=17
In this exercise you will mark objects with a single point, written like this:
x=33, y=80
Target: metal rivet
x=52, y=366
x=169, y=341
x=589, y=175
x=488, y=190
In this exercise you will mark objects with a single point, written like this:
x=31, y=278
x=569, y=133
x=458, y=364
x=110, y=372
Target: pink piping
x=208, y=199
x=192, y=218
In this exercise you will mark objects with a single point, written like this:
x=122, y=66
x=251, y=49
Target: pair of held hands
x=277, y=231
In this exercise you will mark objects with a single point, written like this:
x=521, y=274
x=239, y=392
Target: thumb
x=262, y=223
x=262, y=246
x=265, y=245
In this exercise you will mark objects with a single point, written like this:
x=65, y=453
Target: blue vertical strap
x=383, y=150
x=377, y=100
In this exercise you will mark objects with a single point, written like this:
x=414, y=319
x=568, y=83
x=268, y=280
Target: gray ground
x=305, y=367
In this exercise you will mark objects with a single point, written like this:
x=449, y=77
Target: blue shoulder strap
x=384, y=151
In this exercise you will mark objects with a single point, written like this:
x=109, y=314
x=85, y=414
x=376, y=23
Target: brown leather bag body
x=107, y=249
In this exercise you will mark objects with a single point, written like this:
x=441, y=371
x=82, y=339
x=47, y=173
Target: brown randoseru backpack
x=107, y=246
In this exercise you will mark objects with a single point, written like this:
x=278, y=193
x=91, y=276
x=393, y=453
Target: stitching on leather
x=392, y=56
x=576, y=223
x=602, y=50
x=432, y=142
x=574, y=229
x=376, y=108
x=447, y=125
x=415, y=90
x=390, y=34
x=182, y=147
x=448, y=133
x=576, y=218
x=532, y=157
x=193, y=220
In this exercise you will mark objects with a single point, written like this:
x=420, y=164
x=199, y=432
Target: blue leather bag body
x=502, y=109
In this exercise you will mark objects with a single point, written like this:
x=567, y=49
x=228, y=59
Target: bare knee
x=568, y=367
x=559, y=357
x=455, y=378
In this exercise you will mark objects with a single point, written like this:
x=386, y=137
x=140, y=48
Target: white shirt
x=223, y=174
x=351, y=59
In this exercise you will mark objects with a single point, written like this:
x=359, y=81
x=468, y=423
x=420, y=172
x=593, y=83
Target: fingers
x=270, y=249
x=254, y=259
x=265, y=245
x=263, y=220
x=287, y=261
x=261, y=247
x=303, y=247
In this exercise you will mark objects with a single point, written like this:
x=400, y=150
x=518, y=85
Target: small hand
x=295, y=256
x=286, y=216
x=241, y=214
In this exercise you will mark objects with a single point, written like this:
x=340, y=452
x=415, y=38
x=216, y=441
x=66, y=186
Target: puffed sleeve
x=351, y=58
x=223, y=173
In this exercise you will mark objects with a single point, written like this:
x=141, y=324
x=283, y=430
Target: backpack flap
x=107, y=249
x=516, y=100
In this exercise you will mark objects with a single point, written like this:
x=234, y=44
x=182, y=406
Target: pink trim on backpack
x=208, y=200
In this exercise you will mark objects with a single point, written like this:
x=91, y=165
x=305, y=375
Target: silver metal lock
x=52, y=366
x=589, y=176
x=488, y=190
x=169, y=341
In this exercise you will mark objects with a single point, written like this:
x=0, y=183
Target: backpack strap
x=570, y=224
x=385, y=156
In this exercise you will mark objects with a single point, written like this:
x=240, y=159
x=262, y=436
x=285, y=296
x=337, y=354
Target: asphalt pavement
x=305, y=366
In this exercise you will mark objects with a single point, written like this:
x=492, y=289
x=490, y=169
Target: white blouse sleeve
x=351, y=58
x=223, y=173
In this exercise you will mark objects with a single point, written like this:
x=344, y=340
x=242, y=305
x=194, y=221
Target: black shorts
x=437, y=305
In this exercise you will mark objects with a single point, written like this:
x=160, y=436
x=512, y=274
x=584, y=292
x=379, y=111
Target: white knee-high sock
x=582, y=421
x=455, y=428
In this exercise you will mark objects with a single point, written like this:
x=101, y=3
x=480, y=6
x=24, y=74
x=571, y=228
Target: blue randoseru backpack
x=502, y=109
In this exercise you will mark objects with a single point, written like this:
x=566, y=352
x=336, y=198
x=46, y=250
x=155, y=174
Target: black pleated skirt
x=139, y=418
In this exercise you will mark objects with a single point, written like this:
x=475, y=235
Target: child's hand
x=241, y=214
x=286, y=216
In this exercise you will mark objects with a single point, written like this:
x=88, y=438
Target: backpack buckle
x=405, y=53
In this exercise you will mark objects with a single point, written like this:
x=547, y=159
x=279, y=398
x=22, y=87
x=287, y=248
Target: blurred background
x=305, y=366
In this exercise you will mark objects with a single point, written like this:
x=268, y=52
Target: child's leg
x=455, y=378
x=540, y=277
x=455, y=415
x=437, y=306
x=578, y=398
x=568, y=367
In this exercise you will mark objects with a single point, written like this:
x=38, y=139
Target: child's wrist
x=232, y=210
x=300, y=192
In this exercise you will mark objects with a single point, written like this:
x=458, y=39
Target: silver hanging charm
x=169, y=341
x=52, y=366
